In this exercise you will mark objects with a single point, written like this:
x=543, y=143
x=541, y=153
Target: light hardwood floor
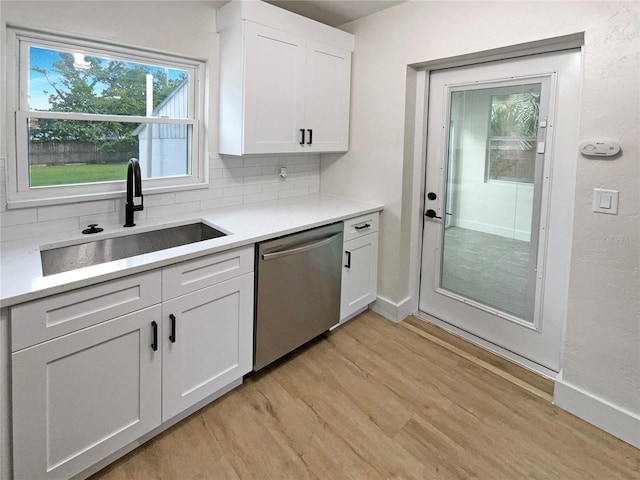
x=376, y=400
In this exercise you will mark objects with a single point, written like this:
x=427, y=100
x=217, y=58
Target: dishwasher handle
x=301, y=248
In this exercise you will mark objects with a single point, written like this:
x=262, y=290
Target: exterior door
x=494, y=201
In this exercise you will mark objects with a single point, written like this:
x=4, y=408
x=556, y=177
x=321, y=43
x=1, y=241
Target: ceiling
x=334, y=12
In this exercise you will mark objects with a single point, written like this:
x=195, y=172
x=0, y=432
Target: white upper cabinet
x=284, y=82
x=328, y=88
x=274, y=90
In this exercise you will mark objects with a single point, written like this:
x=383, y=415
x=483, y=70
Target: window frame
x=488, y=159
x=488, y=162
x=19, y=192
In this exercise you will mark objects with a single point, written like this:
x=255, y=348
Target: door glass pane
x=488, y=250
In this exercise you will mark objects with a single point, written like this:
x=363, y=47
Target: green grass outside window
x=48, y=175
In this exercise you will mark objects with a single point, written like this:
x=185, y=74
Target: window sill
x=16, y=204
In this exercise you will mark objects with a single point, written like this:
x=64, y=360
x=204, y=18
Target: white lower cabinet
x=360, y=265
x=80, y=397
x=206, y=342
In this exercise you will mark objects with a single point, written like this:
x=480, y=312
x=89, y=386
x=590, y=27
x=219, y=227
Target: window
x=513, y=127
x=85, y=108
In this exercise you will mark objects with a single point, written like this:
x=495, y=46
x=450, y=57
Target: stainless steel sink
x=63, y=259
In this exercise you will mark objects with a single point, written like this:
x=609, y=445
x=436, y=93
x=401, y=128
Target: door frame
x=416, y=111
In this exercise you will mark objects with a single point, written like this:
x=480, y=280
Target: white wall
x=601, y=356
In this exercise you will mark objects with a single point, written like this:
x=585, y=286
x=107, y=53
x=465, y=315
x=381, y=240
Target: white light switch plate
x=605, y=201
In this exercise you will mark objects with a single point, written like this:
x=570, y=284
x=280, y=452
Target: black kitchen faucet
x=134, y=189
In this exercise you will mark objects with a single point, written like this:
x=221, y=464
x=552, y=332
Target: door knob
x=431, y=214
x=432, y=195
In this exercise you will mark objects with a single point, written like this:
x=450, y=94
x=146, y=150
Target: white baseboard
x=407, y=307
x=396, y=312
x=609, y=417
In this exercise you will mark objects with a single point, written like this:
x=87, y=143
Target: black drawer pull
x=154, y=344
x=302, y=140
x=310, y=136
x=362, y=227
x=172, y=337
x=348, y=264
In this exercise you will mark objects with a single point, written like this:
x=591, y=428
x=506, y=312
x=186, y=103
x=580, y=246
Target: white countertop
x=21, y=271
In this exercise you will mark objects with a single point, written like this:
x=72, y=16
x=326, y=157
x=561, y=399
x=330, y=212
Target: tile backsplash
x=232, y=181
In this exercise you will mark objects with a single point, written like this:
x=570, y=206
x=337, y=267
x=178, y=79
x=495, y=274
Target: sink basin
x=63, y=259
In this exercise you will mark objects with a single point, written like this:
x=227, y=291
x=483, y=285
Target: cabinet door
x=327, y=95
x=359, y=274
x=274, y=96
x=83, y=396
x=208, y=342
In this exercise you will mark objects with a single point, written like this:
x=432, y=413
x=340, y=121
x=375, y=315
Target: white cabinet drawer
x=187, y=277
x=50, y=317
x=360, y=226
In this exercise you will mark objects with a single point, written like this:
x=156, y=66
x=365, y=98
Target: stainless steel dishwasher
x=297, y=291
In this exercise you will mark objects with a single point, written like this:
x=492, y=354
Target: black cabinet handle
x=172, y=337
x=348, y=264
x=302, y=140
x=154, y=344
x=310, y=136
x=362, y=227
